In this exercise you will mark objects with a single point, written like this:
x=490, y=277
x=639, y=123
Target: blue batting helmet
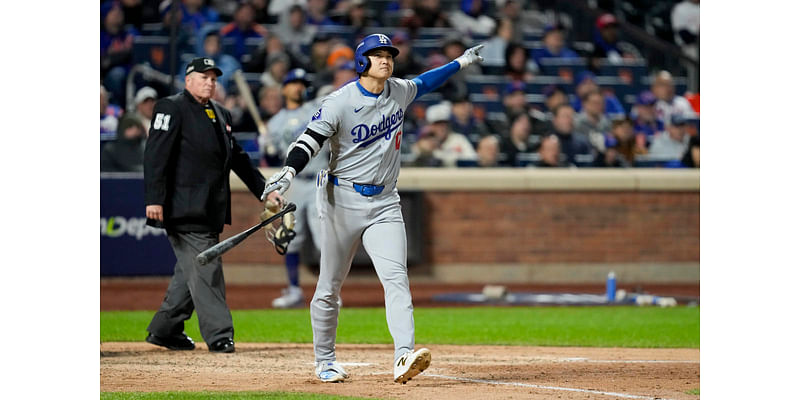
x=372, y=42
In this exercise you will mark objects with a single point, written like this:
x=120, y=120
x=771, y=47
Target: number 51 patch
x=161, y=121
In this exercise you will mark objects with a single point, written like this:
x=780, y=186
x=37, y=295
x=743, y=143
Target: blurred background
x=573, y=150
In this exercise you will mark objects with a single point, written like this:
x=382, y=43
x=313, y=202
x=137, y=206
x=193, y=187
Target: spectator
x=425, y=13
x=261, y=12
x=197, y=15
x=626, y=143
x=319, y=52
x=133, y=12
x=514, y=103
x=270, y=101
x=646, y=124
x=211, y=47
x=278, y=65
x=668, y=103
x=185, y=31
x=424, y=148
x=586, y=83
x=672, y=144
x=519, y=67
x=488, y=151
x=318, y=13
x=691, y=159
x=494, y=53
x=592, y=121
x=359, y=17
x=550, y=153
x=607, y=44
x=241, y=28
x=407, y=62
x=686, y=25
x=519, y=140
x=344, y=73
x=126, y=153
x=145, y=100
x=257, y=60
x=108, y=121
x=521, y=13
x=554, y=95
x=464, y=121
x=116, y=49
x=471, y=18
x=574, y=145
x=340, y=54
x=554, y=46
x=295, y=33
x=611, y=157
x=452, y=147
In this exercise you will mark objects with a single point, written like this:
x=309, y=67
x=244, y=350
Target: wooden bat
x=244, y=90
x=220, y=248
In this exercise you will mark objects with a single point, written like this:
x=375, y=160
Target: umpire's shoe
x=181, y=342
x=411, y=364
x=224, y=345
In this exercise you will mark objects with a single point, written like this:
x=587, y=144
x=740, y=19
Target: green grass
x=219, y=395
x=677, y=327
x=694, y=392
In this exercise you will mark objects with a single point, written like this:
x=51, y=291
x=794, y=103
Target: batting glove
x=470, y=56
x=280, y=182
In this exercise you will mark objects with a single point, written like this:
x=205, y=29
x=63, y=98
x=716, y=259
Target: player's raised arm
x=430, y=80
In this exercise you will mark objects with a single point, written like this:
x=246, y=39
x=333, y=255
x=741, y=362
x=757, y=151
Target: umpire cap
x=203, y=64
x=372, y=42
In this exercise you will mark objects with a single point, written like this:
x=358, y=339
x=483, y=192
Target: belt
x=365, y=190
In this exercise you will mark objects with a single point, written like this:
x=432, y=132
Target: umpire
x=187, y=161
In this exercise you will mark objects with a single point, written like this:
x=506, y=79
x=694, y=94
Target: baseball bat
x=247, y=96
x=220, y=248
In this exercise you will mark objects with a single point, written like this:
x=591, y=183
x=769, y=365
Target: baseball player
x=284, y=128
x=357, y=196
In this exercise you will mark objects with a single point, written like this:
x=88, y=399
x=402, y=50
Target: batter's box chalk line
x=529, y=385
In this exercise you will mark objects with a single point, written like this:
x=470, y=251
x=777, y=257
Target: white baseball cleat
x=331, y=371
x=291, y=297
x=411, y=364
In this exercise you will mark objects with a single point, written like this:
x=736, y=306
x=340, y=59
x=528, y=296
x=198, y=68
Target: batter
x=357, y=196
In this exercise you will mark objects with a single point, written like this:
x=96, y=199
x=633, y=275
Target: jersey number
x=161, y=121
x=397, y=140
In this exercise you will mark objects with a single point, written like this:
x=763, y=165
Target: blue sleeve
x=430, y=80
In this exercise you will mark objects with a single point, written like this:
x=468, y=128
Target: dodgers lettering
x=366, y=135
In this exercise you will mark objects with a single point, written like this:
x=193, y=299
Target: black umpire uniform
x=187, y=162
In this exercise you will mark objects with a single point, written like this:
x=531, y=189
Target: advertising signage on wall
x=128, y=247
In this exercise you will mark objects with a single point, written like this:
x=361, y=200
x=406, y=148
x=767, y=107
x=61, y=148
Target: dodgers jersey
x=287, y=125
x=365, y=130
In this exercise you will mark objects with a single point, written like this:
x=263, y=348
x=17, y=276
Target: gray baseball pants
x=348, y=219
x=194, y=287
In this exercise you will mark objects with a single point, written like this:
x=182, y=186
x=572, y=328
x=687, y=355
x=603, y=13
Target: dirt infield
x=457, y=372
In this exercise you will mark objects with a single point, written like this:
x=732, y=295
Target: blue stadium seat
x=249, y=142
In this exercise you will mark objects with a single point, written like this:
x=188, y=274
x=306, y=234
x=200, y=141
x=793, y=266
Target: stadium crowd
x=542, y=98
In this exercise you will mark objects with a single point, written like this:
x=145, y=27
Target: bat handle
x=202, y=259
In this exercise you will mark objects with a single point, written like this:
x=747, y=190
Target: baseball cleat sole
x=421, y=362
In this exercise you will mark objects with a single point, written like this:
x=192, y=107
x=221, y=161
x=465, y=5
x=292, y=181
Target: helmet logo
x=382, y=38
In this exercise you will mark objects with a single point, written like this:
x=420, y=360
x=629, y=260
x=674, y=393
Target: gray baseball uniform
x=364, y=132
x=284, y=128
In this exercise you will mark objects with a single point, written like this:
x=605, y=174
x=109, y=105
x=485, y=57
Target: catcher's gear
x=279, y=233
x=470, y=56
x=372, y=42
x=280, y=181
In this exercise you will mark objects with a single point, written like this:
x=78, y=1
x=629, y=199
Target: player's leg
x=292, y=296
x=340, y=236
x=385, y=243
